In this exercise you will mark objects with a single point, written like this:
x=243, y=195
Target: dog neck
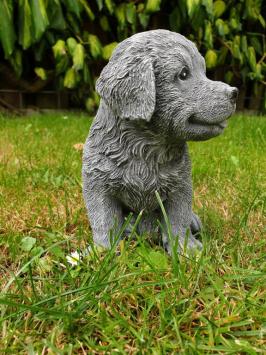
x=125, y=140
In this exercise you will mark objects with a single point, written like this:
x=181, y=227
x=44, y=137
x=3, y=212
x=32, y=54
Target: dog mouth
x=200, y=122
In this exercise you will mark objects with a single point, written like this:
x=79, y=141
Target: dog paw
x=195, y=225
x=186, y=245
x=192, y=244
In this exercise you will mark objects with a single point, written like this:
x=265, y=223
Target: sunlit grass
x=143, y=300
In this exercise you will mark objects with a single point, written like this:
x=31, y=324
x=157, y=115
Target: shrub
x=69, y=41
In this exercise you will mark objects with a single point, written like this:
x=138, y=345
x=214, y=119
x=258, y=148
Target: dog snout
x=233, y=93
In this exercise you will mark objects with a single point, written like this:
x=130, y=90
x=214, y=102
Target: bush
x=69, y=41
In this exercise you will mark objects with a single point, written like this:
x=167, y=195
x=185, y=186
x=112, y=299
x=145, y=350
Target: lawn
x=142, y=301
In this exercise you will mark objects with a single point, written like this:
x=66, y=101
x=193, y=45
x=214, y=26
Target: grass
x=142, y=301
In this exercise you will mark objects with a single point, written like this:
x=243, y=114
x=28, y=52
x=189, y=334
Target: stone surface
x=155, y=97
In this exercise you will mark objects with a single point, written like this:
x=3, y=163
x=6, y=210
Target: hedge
x=67, y=42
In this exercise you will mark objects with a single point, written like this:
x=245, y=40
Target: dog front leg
x=105, y=216
x=195, y=225
x=179, y=211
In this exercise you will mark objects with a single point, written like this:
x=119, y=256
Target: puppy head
x=159, y=76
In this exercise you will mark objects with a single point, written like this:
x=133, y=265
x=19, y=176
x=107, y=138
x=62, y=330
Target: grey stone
x=155, y=97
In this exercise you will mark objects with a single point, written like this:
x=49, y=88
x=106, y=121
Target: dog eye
x=183, y=74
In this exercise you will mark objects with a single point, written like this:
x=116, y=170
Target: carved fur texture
x=155, y=97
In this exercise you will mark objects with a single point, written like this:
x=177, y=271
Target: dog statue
x=155, y=97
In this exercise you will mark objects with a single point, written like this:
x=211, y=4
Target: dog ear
x=127, y=85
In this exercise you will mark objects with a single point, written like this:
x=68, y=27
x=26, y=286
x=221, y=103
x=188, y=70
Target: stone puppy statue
x=155, y=97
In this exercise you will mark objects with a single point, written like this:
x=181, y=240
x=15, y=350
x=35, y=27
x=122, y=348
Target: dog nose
x=233, y=95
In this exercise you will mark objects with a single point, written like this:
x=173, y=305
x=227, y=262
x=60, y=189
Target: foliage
x=142, y=301
x=71, y=40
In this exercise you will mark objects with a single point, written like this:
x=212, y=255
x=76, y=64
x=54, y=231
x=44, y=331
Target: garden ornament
x=155, y=97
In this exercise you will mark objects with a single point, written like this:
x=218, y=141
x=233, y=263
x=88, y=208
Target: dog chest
x=132, y=164
x=140, y=180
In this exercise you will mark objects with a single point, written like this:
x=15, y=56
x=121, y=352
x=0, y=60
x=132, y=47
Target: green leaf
x=104, y=23
x=257, y=44
x=95, y=46
x=208, y=34
x=229, y=77
x=96, y=97
x=158, y=259
x=144, y=20
x=78, y=57
x=235, y=22
x=211, y=58
x=39, y=18
x=219, y=8
x=7, y=32
x=259, y=75
x=110, y=6
x=57, y=251
x=236, y=51
x=131, y=13
x=27, y=243
x=222, y=55
x=244, y=45
x=197, y=22
x=120, y=12
x=50, y=36
x=73, y=6
x=209, y=6
x=252, y=9
x=237, y=40
x=192, y=6
x=41, y=73
x=108, y=50
x=90, y=105
x=100, y=4
x=71, y=45
x=153, y=259
x=37, y=251
x=153, y=5
x=70, y=79
x=222, y=27
x=59, y=49
x=88, y=10
x=73, y=23
x=62, y=64
x=16, y=61
x=25, y=24
x=140, y=7
x=55, y=15
x=252, y=58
